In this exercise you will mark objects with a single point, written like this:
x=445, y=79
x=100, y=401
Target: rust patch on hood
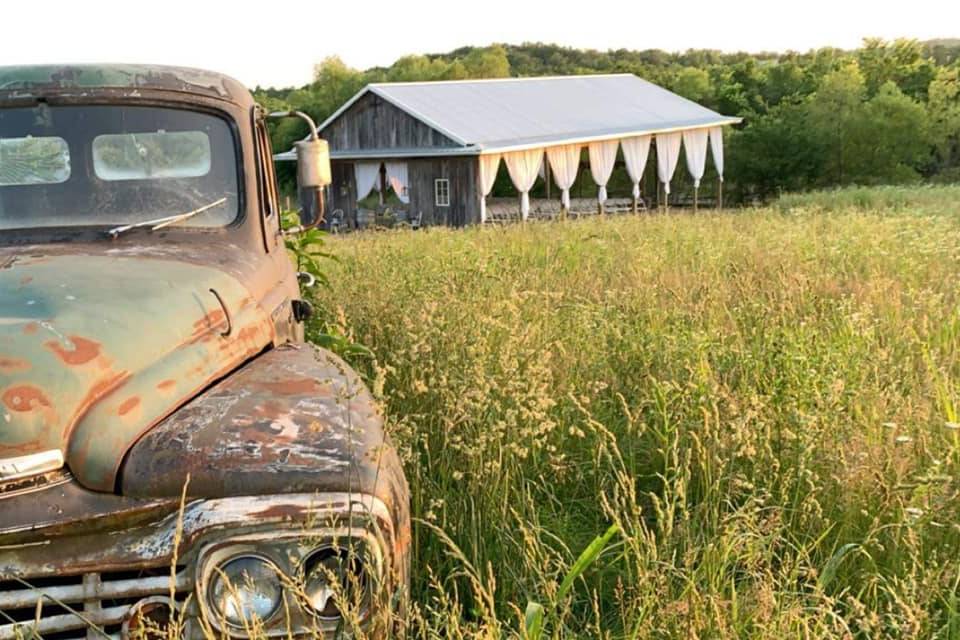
x=11, y=365
x=77, y=352
x=293, y=387
x=128, y=405
x=25, y=398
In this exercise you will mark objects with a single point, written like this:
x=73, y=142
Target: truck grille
x=90, y=605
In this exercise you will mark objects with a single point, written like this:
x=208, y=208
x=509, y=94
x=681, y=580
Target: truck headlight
x=245, y=588
x=335, y=576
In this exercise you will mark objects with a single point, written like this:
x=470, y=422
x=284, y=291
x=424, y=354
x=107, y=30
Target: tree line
x=885, y=113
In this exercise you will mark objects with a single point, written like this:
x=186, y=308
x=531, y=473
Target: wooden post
x=696, y=199
x=383, y=185
x=546, y=174
x=636, y=206
x=719, y=193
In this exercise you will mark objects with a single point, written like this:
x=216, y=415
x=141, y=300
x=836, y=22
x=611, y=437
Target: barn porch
x=453, y=153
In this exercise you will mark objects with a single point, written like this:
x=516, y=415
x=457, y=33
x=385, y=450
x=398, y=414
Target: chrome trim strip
x=30, y=465
x=108, y=589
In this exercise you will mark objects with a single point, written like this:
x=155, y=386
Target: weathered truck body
x=163, y=426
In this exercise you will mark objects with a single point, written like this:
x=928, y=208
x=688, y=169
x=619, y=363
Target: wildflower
x=458, y=475
x=914, y=512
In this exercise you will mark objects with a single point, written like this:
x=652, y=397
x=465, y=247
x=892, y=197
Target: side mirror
x=313, y=172
x=313, y=175
x=313, y=163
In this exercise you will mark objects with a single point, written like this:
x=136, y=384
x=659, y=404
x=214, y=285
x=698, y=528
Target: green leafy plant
x=535, y=613
x=309, y=254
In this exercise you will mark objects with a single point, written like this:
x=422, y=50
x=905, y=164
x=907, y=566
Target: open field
x=764, y=401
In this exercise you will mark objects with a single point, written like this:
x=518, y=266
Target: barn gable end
x=372, y=122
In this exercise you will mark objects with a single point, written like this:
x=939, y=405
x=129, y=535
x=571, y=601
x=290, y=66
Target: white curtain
x=602, y=156
x=716, y=147
x=367, y=175
x=524, y=166
x=695, y=145
x=668, y=152
x=635, y=152
x=398, y=177
x=564, y=164
x=488, y=174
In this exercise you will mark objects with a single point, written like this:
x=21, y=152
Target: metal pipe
x=298, y=114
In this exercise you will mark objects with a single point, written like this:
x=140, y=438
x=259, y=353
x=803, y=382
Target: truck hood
x=95, y=350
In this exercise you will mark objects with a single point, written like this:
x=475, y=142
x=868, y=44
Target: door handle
x=226, y=314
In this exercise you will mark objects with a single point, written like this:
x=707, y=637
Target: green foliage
x=307, y=248
x=536, y=613
x=764, y=403
x=888, y=112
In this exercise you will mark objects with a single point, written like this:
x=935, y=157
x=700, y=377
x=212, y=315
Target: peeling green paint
x=94, y=350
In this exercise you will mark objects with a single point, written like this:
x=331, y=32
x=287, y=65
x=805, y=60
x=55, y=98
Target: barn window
x=441, y=189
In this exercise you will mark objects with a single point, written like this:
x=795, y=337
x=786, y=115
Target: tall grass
x=926, y=199
x=763, y=404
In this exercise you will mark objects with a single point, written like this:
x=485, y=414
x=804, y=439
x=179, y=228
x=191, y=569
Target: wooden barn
x=430, y=151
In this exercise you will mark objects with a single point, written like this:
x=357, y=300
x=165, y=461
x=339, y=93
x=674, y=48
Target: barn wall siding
x=464, y=206
x=373, y=123
x=343, y=191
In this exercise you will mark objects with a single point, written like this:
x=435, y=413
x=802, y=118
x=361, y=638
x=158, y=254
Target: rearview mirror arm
x=314, y=135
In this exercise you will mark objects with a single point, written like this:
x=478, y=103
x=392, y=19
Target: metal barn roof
x=514, y=113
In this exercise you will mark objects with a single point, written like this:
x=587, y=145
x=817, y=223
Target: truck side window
x=268, y=177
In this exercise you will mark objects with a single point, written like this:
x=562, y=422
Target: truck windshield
x=63, y=166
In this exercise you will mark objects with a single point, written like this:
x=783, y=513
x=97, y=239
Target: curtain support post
x=719, y=193
x=696, y=199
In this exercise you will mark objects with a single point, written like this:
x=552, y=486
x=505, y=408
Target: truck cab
x=171, y=451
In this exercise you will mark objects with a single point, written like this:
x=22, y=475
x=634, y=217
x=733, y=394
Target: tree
x=694, y=84
x=778, y=151
x=944, y=110
x=890, y=142
x=902, y=61
x=835, y=110
x=491, y=62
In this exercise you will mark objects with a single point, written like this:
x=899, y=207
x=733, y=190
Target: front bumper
x=90, y=584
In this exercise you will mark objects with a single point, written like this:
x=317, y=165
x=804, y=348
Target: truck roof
x=40, y=80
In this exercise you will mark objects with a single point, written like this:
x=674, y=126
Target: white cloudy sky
x=244, y=40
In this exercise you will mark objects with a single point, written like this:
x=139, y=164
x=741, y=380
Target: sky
x=262, y=45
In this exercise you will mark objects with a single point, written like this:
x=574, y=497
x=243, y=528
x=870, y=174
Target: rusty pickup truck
x=171, y=451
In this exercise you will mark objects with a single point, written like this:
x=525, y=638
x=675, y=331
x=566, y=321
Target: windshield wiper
x=160, y=223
